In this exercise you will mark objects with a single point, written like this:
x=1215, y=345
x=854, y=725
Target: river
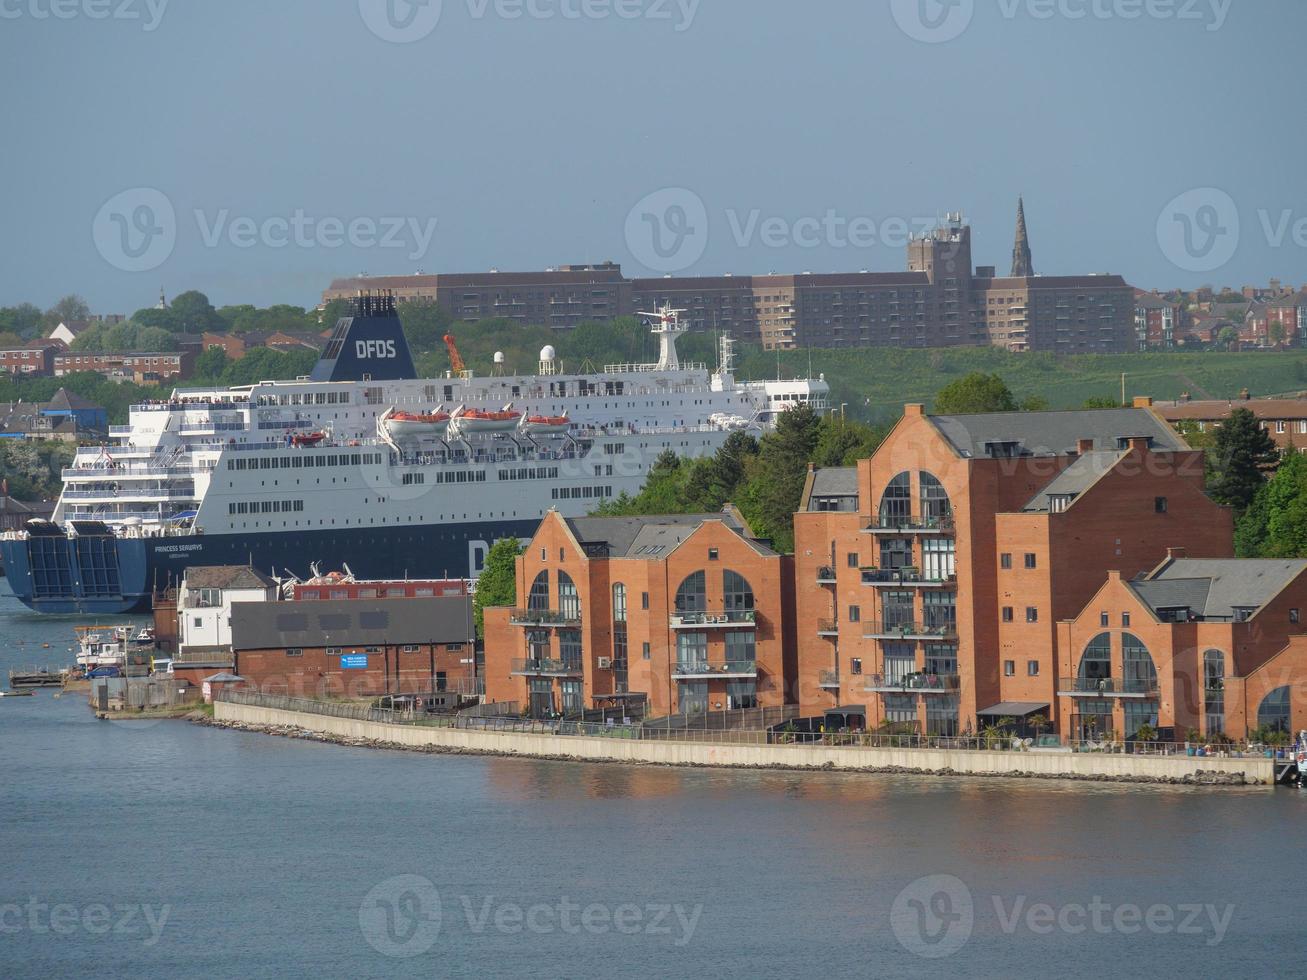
x=167, y=849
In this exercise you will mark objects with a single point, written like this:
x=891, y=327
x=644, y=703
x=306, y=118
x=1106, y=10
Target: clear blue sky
x=529, y=139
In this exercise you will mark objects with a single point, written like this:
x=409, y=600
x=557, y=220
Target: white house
x=204, y=604
x=69, y=330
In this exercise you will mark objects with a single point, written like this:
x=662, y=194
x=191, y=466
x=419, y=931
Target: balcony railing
x=1092, y=687
x=543, y=667
x=905, y=576
x=918, y=683
x=910, y=525
x=709, y=620
x=908, y=631
x=825, y=575
x=828, y=627
x=829, y=679
x=543, y=617
x=716, y=668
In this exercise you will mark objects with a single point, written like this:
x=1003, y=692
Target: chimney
x=914, y=409
x=812, y=467
x=1139, y=444
x=1185, y=398
x=1143, y=401
x=1084, y=446
x=1172, y=554
x=1245, y=395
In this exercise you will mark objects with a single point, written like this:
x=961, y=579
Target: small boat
x=307, y=438
x=479, y=420
x=17, y=694
x=545, y=424
x=416, y=425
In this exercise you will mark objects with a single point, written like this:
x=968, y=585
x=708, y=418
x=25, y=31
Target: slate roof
x=1076, y=478
x=1215, y=588
x=351, y=622
x=1054, y=433
x=70, y=401
x=226, y=577
x=835, y=481
x=651, y=536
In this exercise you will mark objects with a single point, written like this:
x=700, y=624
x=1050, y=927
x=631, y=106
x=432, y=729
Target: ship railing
x=126, y=472
x=131, y=494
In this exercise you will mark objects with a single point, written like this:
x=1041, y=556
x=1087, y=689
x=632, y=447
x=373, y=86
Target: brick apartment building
x=1160, y=323
x=33, y=362
x=1212, y=645
x=939, y=301
x=930, y=579
x=676, y=614
x=1284, y=419
x=143, y=367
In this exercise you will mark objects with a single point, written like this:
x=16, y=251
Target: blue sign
x=354, y=661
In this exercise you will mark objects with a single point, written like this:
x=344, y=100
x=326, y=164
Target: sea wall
x=1087, y=766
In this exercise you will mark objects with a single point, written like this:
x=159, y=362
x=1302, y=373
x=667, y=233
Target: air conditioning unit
x=605, y=663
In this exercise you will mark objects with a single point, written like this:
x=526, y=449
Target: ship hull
x=54, y=574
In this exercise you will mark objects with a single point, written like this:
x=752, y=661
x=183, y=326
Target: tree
x=497, y=585
x=783, y=458
x=212, y=363
x=193, y=313
x=1275, y=524
x=1242, y=453
x=1100, y=402
x=1275, y=332
x=71, y=307
x=23, y=319
x=974, y=394
x=1227, y=337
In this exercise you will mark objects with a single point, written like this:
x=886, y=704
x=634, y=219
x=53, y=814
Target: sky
x=256, y=149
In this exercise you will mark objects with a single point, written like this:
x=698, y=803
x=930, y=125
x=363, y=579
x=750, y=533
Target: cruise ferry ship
x=362, y=462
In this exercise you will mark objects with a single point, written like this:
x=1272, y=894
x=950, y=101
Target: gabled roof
x=1076, y=478
x=1053, y=433
x=226, y=577
x=653, y=536
x=1216, y=587
x=70, y=401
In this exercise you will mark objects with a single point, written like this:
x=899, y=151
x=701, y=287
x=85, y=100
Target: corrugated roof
x=1054, y=433
x=351, y=622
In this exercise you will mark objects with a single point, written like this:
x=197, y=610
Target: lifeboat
x=545, y=424
x=307, y=438
x=477, y=420
x=416, y=425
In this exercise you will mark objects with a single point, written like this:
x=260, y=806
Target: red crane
x=455, y=361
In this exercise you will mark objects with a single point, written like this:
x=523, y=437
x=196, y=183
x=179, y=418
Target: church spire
x=1022, y=264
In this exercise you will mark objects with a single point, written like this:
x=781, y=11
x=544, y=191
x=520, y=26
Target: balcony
x=909, y=631
x=905, y=577
x=1107, y=687
x=825, y=575
x=707, y=669
x=828, y=627
x=829, y=679
x=543, y=667
x=917, y=683
x=727, y=619
x=910, y=525
x=544, y=618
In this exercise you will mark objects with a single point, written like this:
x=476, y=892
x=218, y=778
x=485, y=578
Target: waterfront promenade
x=265, y=712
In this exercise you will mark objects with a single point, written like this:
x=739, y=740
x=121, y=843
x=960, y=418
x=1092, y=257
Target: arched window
x=619, y=603
x=737, y=591
x=896, y=501
x=936, y=508
x=569, y=602
x=1273, y=713
x=539, y=597
x=692, y=596
x=1139, y=671
x=1095, y=664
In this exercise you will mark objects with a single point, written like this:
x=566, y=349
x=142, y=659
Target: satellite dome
x=499, y=357
x=547, y=353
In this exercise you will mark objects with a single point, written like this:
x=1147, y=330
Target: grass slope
x=877, y=382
